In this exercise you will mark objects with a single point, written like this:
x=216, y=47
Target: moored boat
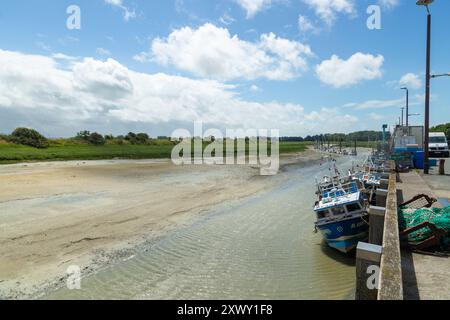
x=341, y=214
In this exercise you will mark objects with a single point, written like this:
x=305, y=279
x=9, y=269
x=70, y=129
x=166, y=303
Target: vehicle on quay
x=438, y=145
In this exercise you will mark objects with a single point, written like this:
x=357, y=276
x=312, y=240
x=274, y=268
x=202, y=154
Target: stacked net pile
x=409, y=218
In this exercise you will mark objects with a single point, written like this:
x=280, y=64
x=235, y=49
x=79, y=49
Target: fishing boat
x=342, y=213
x=370, y=179
x=370, y=174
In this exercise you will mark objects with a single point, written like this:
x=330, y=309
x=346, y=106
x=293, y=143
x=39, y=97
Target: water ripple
x=261, y=248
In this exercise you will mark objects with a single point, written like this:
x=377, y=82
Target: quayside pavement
x=425, y=277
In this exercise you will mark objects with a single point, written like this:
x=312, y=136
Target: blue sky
x=303, y=67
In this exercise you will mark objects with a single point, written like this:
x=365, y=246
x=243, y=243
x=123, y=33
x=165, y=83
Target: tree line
x=337, y=137
x=442, y=128
x=32, y=138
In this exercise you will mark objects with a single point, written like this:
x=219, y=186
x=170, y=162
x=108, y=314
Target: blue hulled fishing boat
x=342, y=213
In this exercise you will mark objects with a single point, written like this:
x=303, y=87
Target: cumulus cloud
x=108, y=79
x=62, y=56
x=35, y=91
x=383, y=104
x=212, y=52
x=410, y=80
x=305, y=25
x=142, y=57
x=327, y=10
x=255, y=88
x=252, y=7
x=343, y=73
x=103, y=52
x=375, y=104
x=226, y=19
x=127, y=12
x=375, y=116
x=389, y=3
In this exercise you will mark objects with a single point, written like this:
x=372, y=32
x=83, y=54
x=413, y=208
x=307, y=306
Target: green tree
x=142, y=138
x=29, y=137
x=83, y=135
x=109, y=137
x=442, y=128
x=96, y=139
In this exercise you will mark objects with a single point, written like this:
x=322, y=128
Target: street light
x=440, y=75
x=424, y=3
x=403, y=111
x=426, y=169
x=407, y=106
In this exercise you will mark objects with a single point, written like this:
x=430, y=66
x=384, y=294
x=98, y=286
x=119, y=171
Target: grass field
x=12, y=153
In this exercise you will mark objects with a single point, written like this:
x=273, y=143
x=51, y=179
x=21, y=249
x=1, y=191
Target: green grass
x=292, y=147
x=12, y=153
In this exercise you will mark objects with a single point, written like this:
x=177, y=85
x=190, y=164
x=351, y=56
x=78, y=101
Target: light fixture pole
x=403, y=111
x=426, y=169
x=407, y=106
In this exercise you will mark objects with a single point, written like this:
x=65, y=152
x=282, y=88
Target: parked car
x=438, y=145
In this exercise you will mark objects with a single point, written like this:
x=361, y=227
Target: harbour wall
x=378, y=262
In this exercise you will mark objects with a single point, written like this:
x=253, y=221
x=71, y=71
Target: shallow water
x=262, y=247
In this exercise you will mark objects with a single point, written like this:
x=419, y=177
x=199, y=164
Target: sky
x=300, y=66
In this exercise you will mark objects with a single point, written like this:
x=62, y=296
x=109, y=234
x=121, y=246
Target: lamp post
x=403, y=111
x=407, y=106
x=426, y=169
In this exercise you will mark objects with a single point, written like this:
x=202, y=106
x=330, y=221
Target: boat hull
x=344, y=235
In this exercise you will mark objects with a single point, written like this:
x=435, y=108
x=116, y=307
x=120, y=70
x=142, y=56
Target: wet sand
x=95, y=213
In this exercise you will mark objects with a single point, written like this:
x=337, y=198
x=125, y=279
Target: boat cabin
x=336, y=189
x=346, y=205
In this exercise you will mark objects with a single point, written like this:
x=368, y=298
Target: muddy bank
x=92, y=214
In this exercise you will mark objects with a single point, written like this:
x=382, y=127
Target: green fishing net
x=409, y=218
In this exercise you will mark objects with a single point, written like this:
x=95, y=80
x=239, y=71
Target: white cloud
x=255, y=88
x=213, y=52
x=254, y=6
x=305, y=25
x=34, y=90
x=327, y=10
x=343, y=73
x=410, y=80
x=127, y=12
x=103, y=52
x=108, y=80
x=142, y=57
x=376, y=104
x=42, y=45
x=389, y=3
x=226, y=19
x=376, y=116
x=62, y=56
x=383, y=104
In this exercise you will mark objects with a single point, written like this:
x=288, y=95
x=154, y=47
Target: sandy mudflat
x=93, y=213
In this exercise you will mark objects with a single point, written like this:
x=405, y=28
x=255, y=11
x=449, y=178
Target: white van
x=438, y=145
